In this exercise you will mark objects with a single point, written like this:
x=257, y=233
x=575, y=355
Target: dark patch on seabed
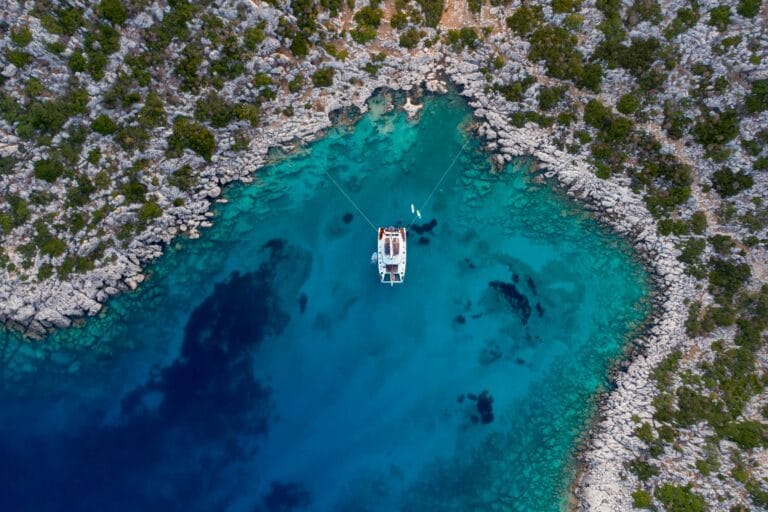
x=427, y=227
x=517, y=301
x=285, y=498
x=180, y=436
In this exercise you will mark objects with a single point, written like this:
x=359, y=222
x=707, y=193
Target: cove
x=263, y=367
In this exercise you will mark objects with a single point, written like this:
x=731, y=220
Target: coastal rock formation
x=657, y=124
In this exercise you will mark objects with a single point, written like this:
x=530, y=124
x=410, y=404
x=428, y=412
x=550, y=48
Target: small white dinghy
x=391, y=255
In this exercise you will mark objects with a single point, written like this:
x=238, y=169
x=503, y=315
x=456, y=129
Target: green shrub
x=410, y=38
x=748, y=8
x=254, y=36
x=44, y=272
x=557, y=48
x=183, y=178
x=728, y=183
x=680, y=499
x=590, y=77
x=18, y=214
x=363, y=34
x=464, y=38
x=323, y=77
x=645, y=433
x=550, y=96
x=644, y=10
x=134, y=191
x=642, y=499
x=369, y=16
x=643, y=470
x=300, y=46
x=192, y=135
x=186, y=68
x=433, y=11
x=716, y=129
x=664, y=372
x=698, y=222
x=296, y=84
x=720, y=17
x=21, y=36
x=132, y=138
x=628, y=104
x=214, y=109
x=104, y=125
x=248, y=112
x=573, y=22
x=48, y=170
x=597, y=115
x=525, y=20
x=113, y=10
x=727, y=277
x=18, y=58
x=747, y=434
x=684, y=20
x=639, y=56
x=152, y=114
x=399, y=20
x=757, y=99
x=475, y=6
x=148, y=211
x=565, y=6
x=80, y=194
x=55, y=47
x=45, y=242
x=675, y=121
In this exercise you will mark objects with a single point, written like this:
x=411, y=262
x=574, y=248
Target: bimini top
x=392, y=254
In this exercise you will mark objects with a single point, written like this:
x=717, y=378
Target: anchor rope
x=424, y=204
x=350, y=200
x=429, y=197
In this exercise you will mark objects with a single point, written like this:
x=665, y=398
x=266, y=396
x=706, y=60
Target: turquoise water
x=264, y=367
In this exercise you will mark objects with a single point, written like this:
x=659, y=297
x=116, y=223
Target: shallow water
x=264, y=367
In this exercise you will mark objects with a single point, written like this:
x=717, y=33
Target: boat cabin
x=392, y=255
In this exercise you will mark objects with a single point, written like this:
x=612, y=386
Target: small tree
x=323, y=77
x=113, y=10
x=104, y=125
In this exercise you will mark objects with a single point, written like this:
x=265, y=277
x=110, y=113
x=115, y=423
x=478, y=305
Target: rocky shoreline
x=604, y=483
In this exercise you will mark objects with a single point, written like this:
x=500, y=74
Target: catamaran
x=391, y=255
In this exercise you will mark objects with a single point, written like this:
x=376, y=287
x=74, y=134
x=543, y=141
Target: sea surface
x=263, y=367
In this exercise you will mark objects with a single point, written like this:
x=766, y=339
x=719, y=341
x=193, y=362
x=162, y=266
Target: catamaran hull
x=391, y=254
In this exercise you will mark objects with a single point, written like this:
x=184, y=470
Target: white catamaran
x=391, y=255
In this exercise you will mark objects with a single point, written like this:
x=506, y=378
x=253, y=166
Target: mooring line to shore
x=429, y=197
x=350, y=200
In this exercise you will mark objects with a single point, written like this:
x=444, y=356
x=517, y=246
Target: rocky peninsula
x=120, y=121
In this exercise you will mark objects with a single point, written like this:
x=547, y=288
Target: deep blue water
x=263, y=367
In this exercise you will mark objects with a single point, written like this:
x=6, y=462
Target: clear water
x=264, y=367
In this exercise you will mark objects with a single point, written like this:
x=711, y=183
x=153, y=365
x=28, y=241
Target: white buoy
x=412, y=208
x=418, y=213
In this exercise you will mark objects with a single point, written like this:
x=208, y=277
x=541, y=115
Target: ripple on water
x=263, y=367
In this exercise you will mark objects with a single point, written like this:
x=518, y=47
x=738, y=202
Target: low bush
x=728, y=183
x=104, y=125
x=48, y=170
x=525, y=19
x=191, y=135
x=323, y=77
x=680, y=499
x=720, y=17
x=748, y=8
x=757, y=99
x=113, y=10
x=21, y=36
